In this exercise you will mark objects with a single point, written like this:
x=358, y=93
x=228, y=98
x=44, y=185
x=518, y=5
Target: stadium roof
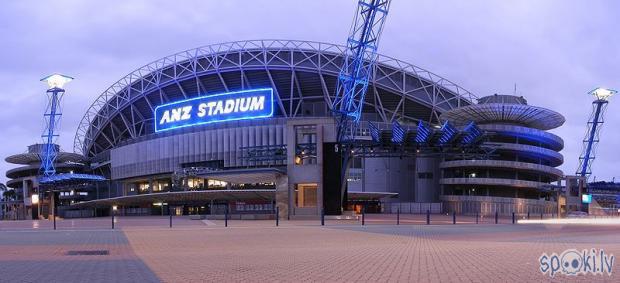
x=302, y=73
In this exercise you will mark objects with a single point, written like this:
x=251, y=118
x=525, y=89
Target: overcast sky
x=555, y=51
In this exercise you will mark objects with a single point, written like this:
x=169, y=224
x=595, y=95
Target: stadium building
x=247, y=125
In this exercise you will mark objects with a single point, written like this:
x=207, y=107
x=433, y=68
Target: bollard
x=513, y=218
x=226, y=216
x=112, y=212
x=322, y=217
x=454, y=217
x=54, y=210
x=363, y=215
x=428, y=217
x=477, y=216
x=170, y=212
x=277, y=216
x=528, y=215
x=496, y=215
x=398, y=216
x=541, y=216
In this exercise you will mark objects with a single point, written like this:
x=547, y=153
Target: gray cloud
x=554, y=50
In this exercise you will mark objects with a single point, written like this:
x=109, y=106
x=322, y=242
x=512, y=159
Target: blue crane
x=594, y=127
x=357, y=68
x=358, y=64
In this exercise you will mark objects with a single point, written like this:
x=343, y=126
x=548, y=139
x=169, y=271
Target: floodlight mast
x=358, y=65
x=594, y=127
x=52, y=119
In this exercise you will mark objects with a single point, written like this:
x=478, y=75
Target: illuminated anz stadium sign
x=230, y=106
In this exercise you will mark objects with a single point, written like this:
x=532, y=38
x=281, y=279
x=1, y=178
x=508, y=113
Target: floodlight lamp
x=603, y=93
x=115, y=207
x=56, y=80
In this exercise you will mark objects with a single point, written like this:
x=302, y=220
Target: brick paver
x=145, y=249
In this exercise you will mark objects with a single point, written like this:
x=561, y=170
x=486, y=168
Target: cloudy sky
x=554, y=51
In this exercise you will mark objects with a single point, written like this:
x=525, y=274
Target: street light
x=35, y=199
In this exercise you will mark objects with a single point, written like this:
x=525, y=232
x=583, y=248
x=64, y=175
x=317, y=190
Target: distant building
x=24, y=180
x=605, y=197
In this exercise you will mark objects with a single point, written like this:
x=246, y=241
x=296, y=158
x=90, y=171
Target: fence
x=412, y=207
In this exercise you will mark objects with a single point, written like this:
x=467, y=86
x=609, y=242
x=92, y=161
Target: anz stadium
x=247, y=126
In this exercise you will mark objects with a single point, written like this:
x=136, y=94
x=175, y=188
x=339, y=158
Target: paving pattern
x=146, y=250
x=42, y=256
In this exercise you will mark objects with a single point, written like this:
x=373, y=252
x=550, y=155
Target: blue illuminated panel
x=230, y=106
x=585, y=198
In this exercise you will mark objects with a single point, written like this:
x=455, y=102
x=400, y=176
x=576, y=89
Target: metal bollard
x=398, y=216
x=428, y=217
x=277, y=216
x=112, y=212
x=477, y=216
x=226, y=216
x=170, y=212
x=454, y=217
x=513, y=218
x=54, y=210
x=528, y=215
x=496, y=216
x=363, y=215
x=322, y=217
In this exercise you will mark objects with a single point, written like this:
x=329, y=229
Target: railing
x=412, y=207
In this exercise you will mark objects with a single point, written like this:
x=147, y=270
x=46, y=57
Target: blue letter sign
x=238, y=105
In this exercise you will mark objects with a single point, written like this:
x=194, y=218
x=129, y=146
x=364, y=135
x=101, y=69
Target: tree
x=3, y=190
x=9, y=195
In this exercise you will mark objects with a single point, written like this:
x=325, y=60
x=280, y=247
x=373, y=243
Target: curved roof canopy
x=303, y=75
x=31, y=157
x=500, y=109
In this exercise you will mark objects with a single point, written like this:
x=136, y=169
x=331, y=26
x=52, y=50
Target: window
x=425, y=175
x=305, y=144
x=195, y=183
x=143, y=187
x=216, y=184
x=305, y=195
x=355, y=176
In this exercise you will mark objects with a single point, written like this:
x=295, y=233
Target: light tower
x=594, y=127
x=52, y=119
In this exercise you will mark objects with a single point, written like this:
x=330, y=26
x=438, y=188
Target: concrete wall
x=309, y=173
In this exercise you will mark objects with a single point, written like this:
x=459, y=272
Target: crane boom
x=357, y=68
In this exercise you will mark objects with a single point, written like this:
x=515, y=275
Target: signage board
x=230, y=106
x=586, y=198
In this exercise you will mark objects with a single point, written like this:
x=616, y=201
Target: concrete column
x=150, y=186
x=282, y=195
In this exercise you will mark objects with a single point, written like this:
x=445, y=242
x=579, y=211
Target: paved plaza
x=145, y=249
